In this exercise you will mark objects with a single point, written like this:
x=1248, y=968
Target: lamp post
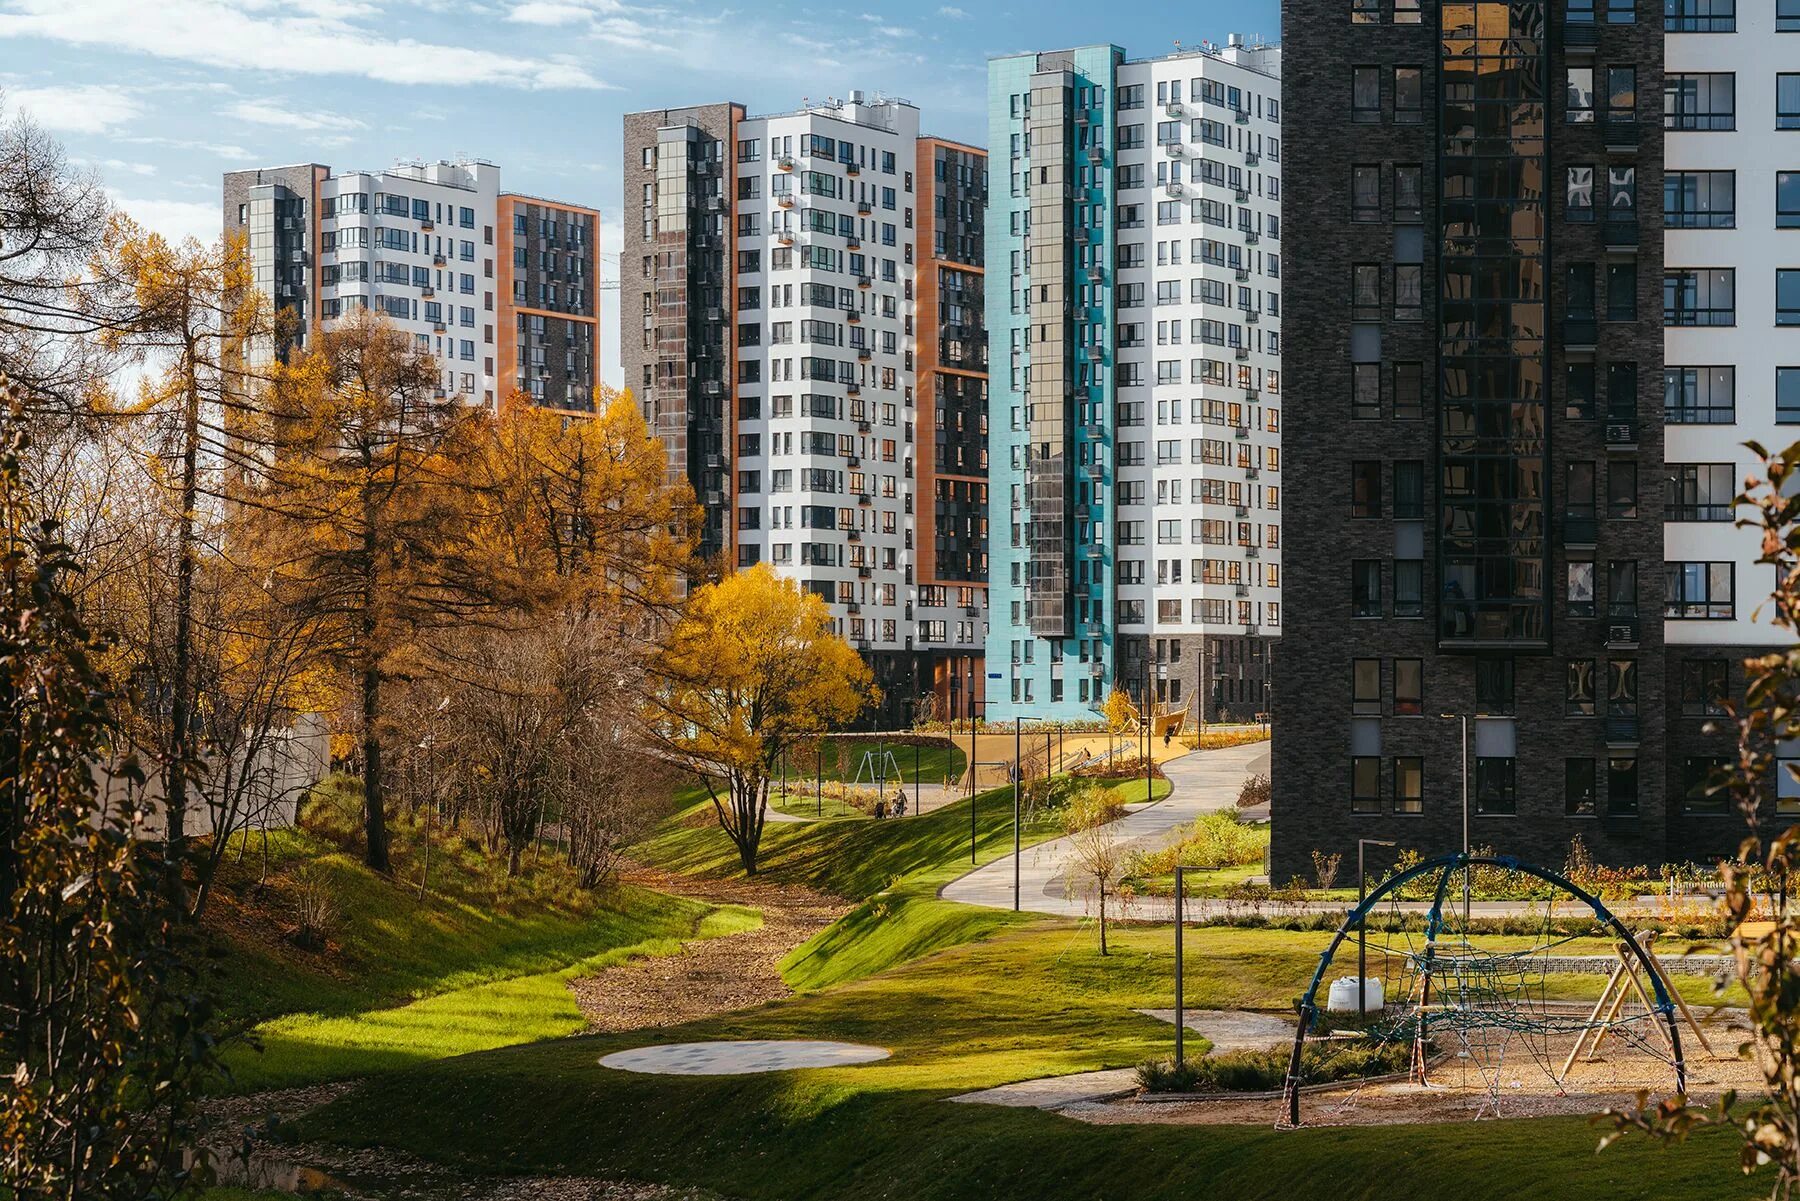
x=1362, y=929
x=1018, y=729
x=1464, y=719
x=1180, y=1022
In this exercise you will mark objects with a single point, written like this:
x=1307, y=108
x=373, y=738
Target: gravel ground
x=712, y=975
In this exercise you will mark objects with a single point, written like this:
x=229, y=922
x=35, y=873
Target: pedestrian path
x=1201, y=782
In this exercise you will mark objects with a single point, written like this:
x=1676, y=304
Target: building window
x=1787, y=101
x=1703, y=687
x=1700, y=101
x=1787, y=16
x=1409, y=95
x=1694, y=296
x=1365, y=292
x=1365, y=687
x=1705, y=787
x=1700, y=199
x=1365, y=192
x=1578, y=691
x=1365, y=588
x=1699, y=591
x=1578, y=102
x=1409, y=292
x=1365, y=488
x=1621, y=292
x=1621, y=787
x=1494, y=685
x=1409, y=587
x=1787, y=395
x=1700, y=395
x=1787, y=297
x=1365, y=784
x=1365, y=391
x=1409, y=784
x=1578, y=194
x=1409, y=687
x=1409, y=191
x=1699, y=492
x=1409, y=490
x=1409, y=390
x=1787, y=198
x=1578, y=379
x=1621, y=488
x=1699, y=16
x=1496, y=788
x=1580, y=588
x=1579, y=794
x=1621, y=93
x=1365, y=94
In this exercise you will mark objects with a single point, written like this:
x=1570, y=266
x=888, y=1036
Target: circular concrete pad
x=741, y=1058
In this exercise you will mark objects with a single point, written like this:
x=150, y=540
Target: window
x=1365, y=391
x=1578, y=102
x=1409, y=190
x=1699, y=16
x=1621, y=787
x=1495, y=786
x=1365, y=784
x=1409, y=95
x=1494, y=685
x=1409, y=587
x=1578, y=378
x=1621, y=93
x=1787, y=198
x=1578, y=691
x=1787, y=16
x=1700, y=395
x=1365, y=588
x=1409, y=291
x=1409, y=490
x=1365, y=488
x=1365, y=687
x=1621, y=391
x=1621, y=12
x=1365, y=292
x=1621, y=193
x=1703, y=687
x=1787, y=297
x=1578, y=194
x=1409, y=390
x=1579, y=591
x=1409, y=784
x=1701, y=591
x=1700, y=101
x=1365, y=94
x=1579, y=794
x=1787, y=101
x=1365, y=192
x=1698, y=492
x=1700, y=199
x=1700, y=296
x=1704, y=784
x=1409, y=687
x=1621, y=292
x=1621, y=488
x=1787, y=395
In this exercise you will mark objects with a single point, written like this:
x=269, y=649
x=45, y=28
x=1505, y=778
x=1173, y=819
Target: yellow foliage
x=1119, y=711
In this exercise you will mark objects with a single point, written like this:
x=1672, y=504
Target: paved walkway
x=1202, y=782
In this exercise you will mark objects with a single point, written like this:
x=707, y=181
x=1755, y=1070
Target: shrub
x=1215, y=840
x=1266, y=1071
x=1255, y=791
x=1089, y=806
x=1213, y=740
x=315, y=908
x=1325, y=869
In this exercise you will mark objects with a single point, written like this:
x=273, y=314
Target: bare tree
x=1095, y=846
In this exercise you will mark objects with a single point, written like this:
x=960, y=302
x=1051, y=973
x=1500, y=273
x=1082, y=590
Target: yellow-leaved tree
x=752, y=668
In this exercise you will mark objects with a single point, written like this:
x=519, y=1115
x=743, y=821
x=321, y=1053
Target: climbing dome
x=1492, y=987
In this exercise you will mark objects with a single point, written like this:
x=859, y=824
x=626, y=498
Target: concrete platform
x=741, y=1058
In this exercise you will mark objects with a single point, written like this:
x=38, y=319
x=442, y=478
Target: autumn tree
x=102, y=1033
x=185, y=313
x=752, y=668
x=1096, y=850
x=367, y=518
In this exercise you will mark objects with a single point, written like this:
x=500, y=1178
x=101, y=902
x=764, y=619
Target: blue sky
x=161, y=96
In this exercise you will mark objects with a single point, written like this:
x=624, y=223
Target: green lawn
x=844, y=760
x=1026, y=1001
x=815, y=807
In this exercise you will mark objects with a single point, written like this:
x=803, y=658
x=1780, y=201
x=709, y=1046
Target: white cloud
x=259, y=113
x=299, y=37
x=953, y=13
x=82, y=108
x=173, y=219
x=117, y=166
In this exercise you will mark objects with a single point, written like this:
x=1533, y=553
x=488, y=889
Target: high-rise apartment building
x=1520, y=465
x=1134, y=301
x=801, y=317
x=502, y=289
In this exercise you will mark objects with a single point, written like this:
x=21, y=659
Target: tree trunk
x=181, y=700
x=375, y=854
x=1103, y=919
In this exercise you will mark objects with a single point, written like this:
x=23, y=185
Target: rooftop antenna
x=1178, y=45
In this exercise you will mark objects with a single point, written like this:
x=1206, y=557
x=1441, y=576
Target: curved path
x=1201, y=782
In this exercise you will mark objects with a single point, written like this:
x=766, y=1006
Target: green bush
x=1215, y=840
x=1266, y=1071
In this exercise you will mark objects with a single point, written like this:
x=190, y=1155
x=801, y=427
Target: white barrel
x=1342, y=997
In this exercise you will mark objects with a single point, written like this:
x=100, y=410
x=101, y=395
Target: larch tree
x=369, y=518
x=752, y=668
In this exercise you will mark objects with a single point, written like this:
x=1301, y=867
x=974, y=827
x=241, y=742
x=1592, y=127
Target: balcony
x=1176, y=149
x=1241, y=116
x=1621, y=633
x=784, y=200
x=1242, y=273
x=1242, y=195
x=438, y=260
x=1252, y=552
x=853, y=316
x=1621, y=237
x=1620, y=133
x=1080, y=235
x=864, y=353
x=1621, y=432
x=864, y=207
x=1241, y=510
x=1242, y=353
x=854, y=535
x=1096, y=471
x=863, y=281
x=1174, y=110
x=1251, y=158
x=1251, y=316
x=866, y=572
x=1579, y=333
x=1093, y=353
x=852, y=606
x=1252, y=395
x=785, y=162
x=427, y=223
x=1093, y=550
x=1580, y=529
x=852, y=169
x=1241, y=433
x=1251, y=239
x=1621, y=729
x=1095, y=275
x=785, y=236
x=1252, y=473
x=1176, y=189
x=1581, y=39
x=1241, y=590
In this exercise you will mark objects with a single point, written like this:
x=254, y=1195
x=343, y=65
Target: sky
x=160, y=97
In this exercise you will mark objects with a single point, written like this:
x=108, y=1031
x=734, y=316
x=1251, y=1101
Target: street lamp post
x=1017, y=772
x=1464, y=719
x=1180, y=1018
x=1362, y=929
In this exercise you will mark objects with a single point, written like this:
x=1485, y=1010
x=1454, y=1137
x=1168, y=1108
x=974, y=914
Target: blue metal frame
x=1354, y=918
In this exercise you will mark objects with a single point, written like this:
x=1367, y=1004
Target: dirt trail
x=711, y=975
